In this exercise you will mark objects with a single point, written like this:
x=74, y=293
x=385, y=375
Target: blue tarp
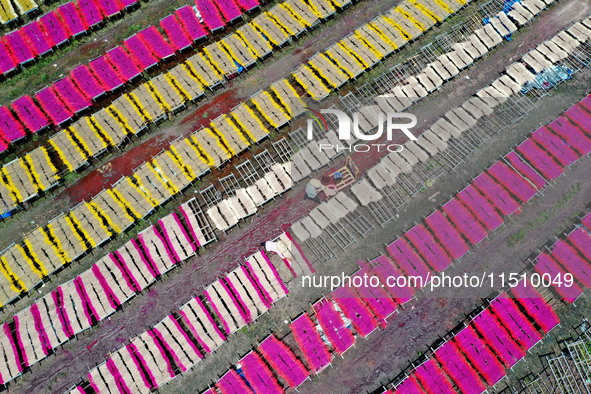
x=548, y=78
x=507, y=7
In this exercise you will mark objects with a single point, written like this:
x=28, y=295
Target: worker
x=278, y=247
x=313, y=189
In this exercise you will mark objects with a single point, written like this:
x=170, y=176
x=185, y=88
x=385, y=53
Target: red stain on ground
x=221, y=104
x=105, y=176
x=89, y=347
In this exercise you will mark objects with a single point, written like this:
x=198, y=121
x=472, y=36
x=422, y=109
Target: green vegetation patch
x=545, y=215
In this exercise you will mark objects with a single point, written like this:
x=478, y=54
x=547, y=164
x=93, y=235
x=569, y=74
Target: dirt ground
x=412, y=329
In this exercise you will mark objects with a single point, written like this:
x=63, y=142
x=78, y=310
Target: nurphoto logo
x=349, y=129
